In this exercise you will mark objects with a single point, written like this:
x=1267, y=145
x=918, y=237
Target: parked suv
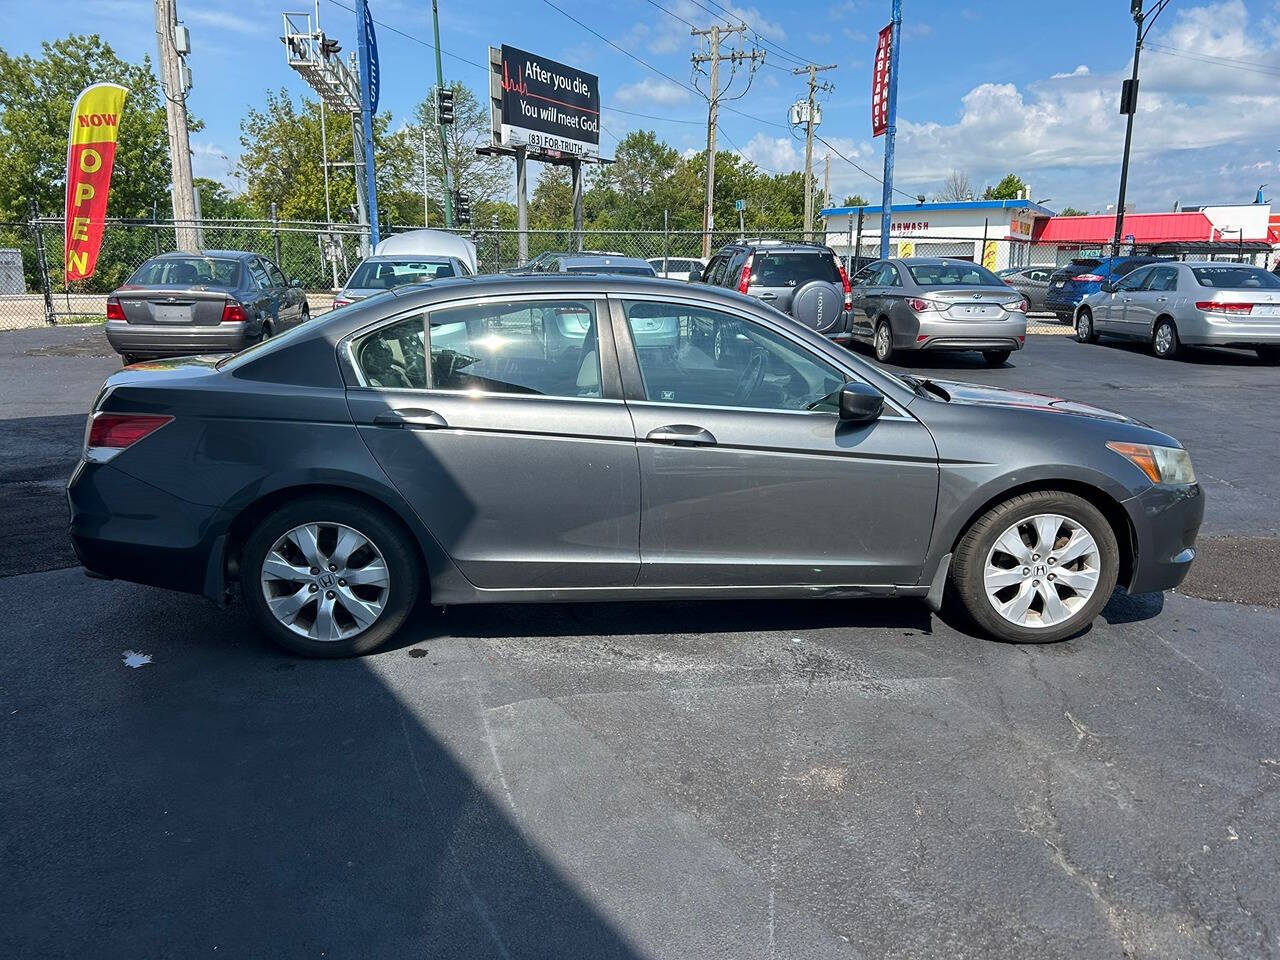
x=805, y=280
x=1083, y=276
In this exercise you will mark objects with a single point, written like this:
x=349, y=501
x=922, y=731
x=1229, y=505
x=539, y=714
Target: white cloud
x=221, y=20
x=651, y=92
x=1079, y=71
x=774, y=154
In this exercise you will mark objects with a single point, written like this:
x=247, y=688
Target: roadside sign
x=546, y=105
x=739, y=205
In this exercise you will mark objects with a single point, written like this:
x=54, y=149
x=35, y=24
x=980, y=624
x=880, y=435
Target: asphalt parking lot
x=711, y=779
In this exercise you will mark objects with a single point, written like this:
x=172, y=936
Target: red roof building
x=1145, y=228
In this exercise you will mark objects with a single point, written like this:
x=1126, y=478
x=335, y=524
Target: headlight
x=1171, y=465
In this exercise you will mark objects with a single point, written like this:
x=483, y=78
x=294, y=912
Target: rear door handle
x=414, y=418
x=682, y=435
x=768, y=296
x=1161, y=299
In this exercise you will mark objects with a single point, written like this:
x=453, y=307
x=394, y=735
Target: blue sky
x=986, y=87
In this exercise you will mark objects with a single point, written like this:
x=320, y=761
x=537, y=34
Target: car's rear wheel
x=267, y=331
x=1037, y=567
x=1084, y=327
x=994, y=358
x=326, y=577
x=883, y=342
x=1268, y=354
x=1164, y=340
x=129, y=358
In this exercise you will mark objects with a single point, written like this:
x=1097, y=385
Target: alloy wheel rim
x=882, y=341
x=1164, y=338
x=1042, y=571
x=325, y=581
x=1084, y=326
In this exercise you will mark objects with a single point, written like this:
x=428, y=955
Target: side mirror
x=695, y=276
x=295, y=282
x=1108, y=286
x=860, y=403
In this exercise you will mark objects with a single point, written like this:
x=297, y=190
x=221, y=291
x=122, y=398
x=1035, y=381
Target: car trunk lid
x=978, y=304
x=173, y=305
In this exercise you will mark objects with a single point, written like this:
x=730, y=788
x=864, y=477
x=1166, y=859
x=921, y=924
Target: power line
x=1249, y=66
x=800, y=61
x=672, y=14
x=863, y=170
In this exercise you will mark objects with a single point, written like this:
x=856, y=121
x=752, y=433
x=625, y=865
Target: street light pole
x=1129, y=105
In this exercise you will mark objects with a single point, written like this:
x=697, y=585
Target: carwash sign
x=91, y=152
x=548, y=106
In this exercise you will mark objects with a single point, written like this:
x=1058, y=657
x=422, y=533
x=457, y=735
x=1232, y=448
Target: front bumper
x=168, y=340
x=125, y=529
x=1165, y=522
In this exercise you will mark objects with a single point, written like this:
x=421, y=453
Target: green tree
x=854, y=200
x=218, y=203
x=485, y=179
x=1011, y=187
x=1071, y=212
x=551, y=205
x=280, y=161
x=36, y=97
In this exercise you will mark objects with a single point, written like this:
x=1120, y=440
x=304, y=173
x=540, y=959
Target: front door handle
x=768, y=296
x=1161, y=299
x=414, y=418
x=682, y=435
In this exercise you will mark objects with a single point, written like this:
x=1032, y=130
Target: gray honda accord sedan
x=554, y=438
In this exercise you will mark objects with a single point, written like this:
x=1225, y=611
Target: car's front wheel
x=1037, y=567
x=326, y=577
x=1084, y=327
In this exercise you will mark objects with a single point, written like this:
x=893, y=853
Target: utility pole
x=713, y=56
x=812, y=70
x=444, y=140
x=891, y=131
x=173, y=74
x=1129, y=105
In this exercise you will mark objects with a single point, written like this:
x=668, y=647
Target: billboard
x=545, y=105
x=91, y=152
x=880, y=82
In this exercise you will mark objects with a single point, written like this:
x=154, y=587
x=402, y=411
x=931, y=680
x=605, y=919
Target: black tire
x=1269, y=355
x=267, y=331
x=1085, y=332
x=306, y=314
x=1164, y=339
x=404, y=572
x=995, y=358
x=882, y=342
x=969, y=562
x=128, y=358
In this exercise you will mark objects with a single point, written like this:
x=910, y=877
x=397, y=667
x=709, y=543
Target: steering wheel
x=752, y=377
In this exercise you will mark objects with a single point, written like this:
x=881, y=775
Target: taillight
x=1088, y=278
x=109, y=433
x=920, y=306
x=233, y=312
x=114, y=310
x=744, y=281
x=844, y=280
x=341, y=302
x=1213, y=306
x=1023, y=306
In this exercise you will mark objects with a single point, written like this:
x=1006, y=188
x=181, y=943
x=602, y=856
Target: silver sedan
x=920, y=303
x=1175, y=305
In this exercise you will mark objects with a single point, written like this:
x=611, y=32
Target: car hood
x=985, y=396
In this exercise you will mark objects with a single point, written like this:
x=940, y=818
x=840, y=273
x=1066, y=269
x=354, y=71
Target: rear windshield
x=628, y=269
x=1083, y=263
x=793, y=269
x=193, y=271
x=954, y=274
x=386, y=274
x=1235, y=277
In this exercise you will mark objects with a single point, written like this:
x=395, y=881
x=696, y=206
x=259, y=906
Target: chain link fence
x=33, y=291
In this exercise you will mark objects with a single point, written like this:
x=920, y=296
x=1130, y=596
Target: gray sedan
x=1031, y=282
x=922, y=303
x=218, y=301
x=444, y=441
x=1173, y=305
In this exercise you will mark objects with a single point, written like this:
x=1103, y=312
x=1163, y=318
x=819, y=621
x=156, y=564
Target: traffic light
x=329, y=47
x=444, y=106
x=461, y=207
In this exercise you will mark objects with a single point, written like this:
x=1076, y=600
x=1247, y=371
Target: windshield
x=1235, y=277
x=189, y=271
x=954, y=273
x=793, y=269
x=387, y=274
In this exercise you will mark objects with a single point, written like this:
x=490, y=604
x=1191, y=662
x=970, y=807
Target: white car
x=676, y=268
x=429, y=243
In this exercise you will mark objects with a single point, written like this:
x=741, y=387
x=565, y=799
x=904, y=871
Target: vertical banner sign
x=91, y=151
x=880, y=82
x=368, y=57
x=989, y=254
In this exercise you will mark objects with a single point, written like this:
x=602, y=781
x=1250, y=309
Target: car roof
x=778, y=246
x=427, y=243
x=205, y=255
x=932, y=261
x=581, y=260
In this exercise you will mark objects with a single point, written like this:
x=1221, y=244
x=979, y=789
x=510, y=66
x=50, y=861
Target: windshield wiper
x=925, y=385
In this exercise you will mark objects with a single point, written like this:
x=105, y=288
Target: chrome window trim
x=803, y=413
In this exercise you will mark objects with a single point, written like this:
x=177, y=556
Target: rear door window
x=888, y=276
x=715, y=272
x=1162, y=279
x=258, y=275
